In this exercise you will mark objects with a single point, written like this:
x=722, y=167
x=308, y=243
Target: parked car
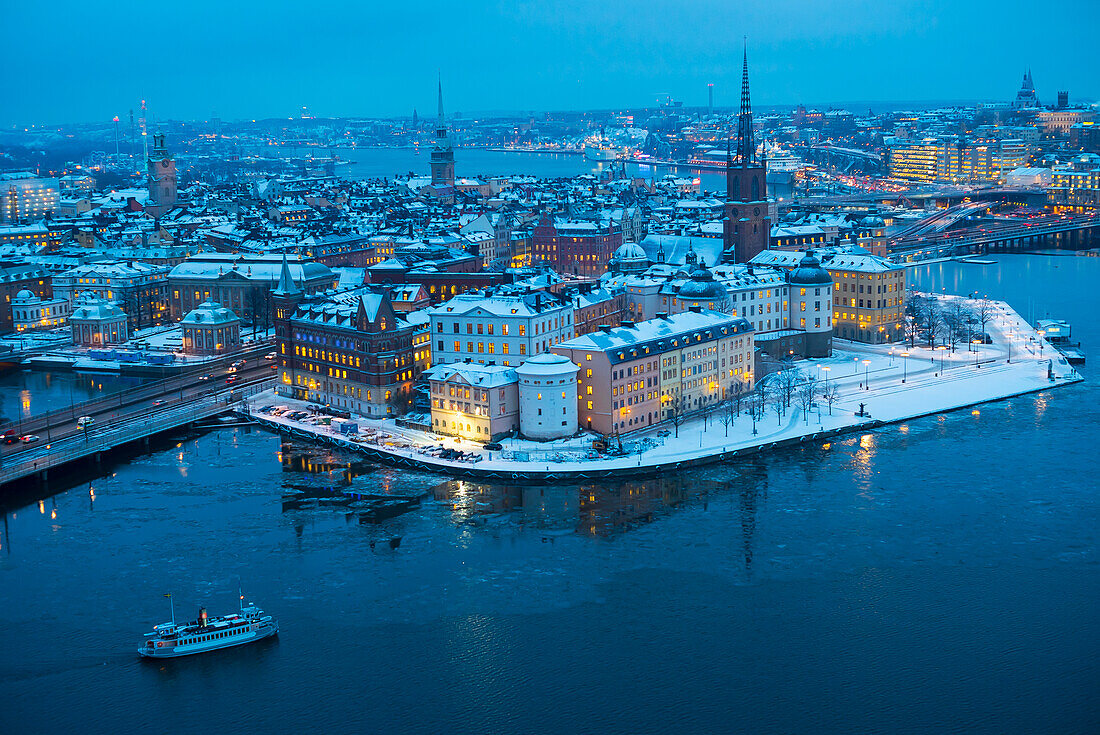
x=270, y=356
x=85, y=421
x=29, y=438
x=494, y=446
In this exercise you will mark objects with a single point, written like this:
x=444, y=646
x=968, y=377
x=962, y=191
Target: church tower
x=746, y=229
x=443, y=155
x=161, y=168
x=284, y=301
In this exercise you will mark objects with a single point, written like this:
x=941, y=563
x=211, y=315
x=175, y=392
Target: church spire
x=440, y=81
x=286, y=286
x=746, y=142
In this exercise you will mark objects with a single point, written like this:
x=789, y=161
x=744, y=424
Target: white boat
x=169, y=640
x=599, y=152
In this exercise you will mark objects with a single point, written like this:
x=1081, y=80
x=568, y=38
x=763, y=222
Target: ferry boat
x=169, y=640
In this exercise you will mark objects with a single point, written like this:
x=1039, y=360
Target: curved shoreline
x=643, y=470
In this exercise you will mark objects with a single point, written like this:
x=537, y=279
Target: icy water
x=31, y=392
x=385, y=162
x=936, y=576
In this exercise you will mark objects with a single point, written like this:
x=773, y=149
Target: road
x=170, y=394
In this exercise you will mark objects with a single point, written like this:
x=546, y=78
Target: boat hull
x=190, y=650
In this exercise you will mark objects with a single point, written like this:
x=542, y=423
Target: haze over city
x=346, y=59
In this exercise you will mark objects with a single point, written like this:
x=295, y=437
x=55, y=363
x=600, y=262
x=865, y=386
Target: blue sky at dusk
x=79, y=61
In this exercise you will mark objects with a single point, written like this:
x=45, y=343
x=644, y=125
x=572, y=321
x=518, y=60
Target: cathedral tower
x=161, y=168
x=746, y=229
x=443, y=155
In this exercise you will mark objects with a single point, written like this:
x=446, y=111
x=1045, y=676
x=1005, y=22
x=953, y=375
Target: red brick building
x=579, y=247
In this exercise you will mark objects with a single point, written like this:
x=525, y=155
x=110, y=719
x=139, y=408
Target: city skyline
x=573, y=57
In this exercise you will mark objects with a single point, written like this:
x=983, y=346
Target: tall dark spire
x=746, y=141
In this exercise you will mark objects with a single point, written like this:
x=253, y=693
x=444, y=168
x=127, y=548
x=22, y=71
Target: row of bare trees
x=932, y=322
x=789, y=389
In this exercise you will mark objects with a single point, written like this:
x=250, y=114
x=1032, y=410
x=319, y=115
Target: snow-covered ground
x=889, y=382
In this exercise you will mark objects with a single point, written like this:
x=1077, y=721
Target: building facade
x=140, y=289
x=639, y=375
x=97, y=322
x=25, y=197
x=29, y=311
x=474, y=401
x=498, y=327
x=210, y=329
x=547, y=397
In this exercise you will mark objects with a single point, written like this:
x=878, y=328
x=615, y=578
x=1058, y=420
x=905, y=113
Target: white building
x=30, y=311
x=210, y=329
x=490, y=327
x=547, y=397
x=97, y=322
x=25, y=197
x=474, y=401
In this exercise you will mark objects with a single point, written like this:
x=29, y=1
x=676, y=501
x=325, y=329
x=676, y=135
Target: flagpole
x=172, y=602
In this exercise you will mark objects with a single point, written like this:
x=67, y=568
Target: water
x=30, y=392
x=937, y=576
x=470, y=162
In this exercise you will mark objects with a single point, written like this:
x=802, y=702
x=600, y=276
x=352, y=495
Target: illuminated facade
x=27, y=198
x=30, y=312
x=141, y=289
x=578, y=247
x=473, y=401
x=955, y=160
x=638, y=375
x=349, y=350
x=210, y=329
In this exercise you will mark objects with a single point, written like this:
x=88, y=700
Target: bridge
x=137, y=421
x=841, y=159
x=1070, y=232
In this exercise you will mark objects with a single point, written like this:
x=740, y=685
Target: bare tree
x=674, y=412
x=933, y=322
x=736, y=395
x=983, y=314
x=786, y=380
x=706, y=407
x=807, y=394
x=912, y=329
x=955, y=319
x=831, y=395
x=728, y=413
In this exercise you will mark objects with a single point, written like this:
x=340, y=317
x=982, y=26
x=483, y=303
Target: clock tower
x=443, y=154
x=746, y=228
x=162, y=176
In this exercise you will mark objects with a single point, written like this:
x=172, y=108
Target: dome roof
x=809, y=272
x=548, y=363
x=872, y=220
x=25, y=295
x=630, y=251
x=701, y=286
x=208, y=313
x=97, y=309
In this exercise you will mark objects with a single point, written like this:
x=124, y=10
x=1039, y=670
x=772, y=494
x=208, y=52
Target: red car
x=231, y=380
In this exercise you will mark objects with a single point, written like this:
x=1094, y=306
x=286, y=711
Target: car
x=205, y=377
x=159, y=402
x=230, y=370
x=270, y=356
x=9, y=436
x=231, y=380
x=85, y=421
x=274, y=366
x=664, y=433
x=494, y=446
x=29, y=438
x=239, y=364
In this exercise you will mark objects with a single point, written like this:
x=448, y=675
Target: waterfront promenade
x=877, y=385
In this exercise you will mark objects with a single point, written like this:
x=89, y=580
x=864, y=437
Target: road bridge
x=70, y=443
x=1069, y=232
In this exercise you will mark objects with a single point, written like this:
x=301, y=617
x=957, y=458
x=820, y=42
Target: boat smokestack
x=202, y=617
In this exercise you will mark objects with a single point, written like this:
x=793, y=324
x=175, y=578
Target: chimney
x=695, y=309
x=627, y=323
x=605, y=328
x=662, y=315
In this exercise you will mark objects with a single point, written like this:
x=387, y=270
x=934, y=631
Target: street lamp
x=1041, y=334
x=825, y=369
x=866, y=381
x=904, y=366
x=941, y=349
